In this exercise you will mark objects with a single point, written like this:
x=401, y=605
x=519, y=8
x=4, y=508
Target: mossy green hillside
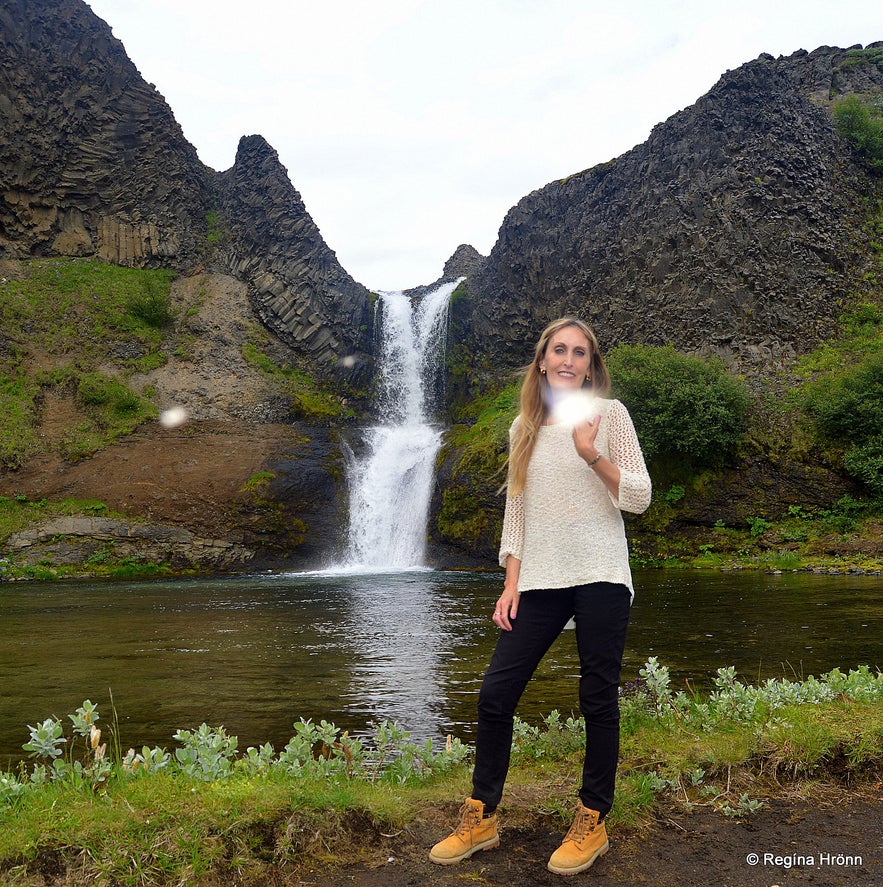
x=78, y=328
x=310, y=400
x=17, y=513
x=469, y=510
x=698, y=423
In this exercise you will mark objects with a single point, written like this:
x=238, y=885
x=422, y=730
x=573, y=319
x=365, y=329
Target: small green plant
x=861, y=124
x=258, y=481
x=49, y=742
x=216, y=232
x=675, y=494
x=47, y=739
x=745, y=806
x=153, y=305
x=847, y=407
x=96, y=389
x=845, y=514
x=657, y=680
x=206, y=753
x=758, y=526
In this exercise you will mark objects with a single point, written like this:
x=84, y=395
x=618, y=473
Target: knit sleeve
x=635, y=487
x=512, y=538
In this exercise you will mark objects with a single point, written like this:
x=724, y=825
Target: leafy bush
x=848, y=410
x=96, y=389
x=684, y=408
x=153, y=306
x=865, y=463
x=862, y=126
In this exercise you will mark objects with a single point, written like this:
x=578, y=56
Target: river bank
x=789, y=771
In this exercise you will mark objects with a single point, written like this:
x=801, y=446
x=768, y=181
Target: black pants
x=601, y=612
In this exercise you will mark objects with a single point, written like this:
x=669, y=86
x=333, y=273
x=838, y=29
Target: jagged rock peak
x=463, y=262
x=295, y=281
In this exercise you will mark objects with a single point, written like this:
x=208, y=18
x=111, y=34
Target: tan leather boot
x=583, y=844
x=473, y=833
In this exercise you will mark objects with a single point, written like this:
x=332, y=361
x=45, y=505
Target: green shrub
x=96, y=389
x=862, y=126
x=865, y=462
x=848, y=410
x=152, y=304
x=684, y=408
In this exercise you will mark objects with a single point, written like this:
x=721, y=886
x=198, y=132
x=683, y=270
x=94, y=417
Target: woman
x=574, y=464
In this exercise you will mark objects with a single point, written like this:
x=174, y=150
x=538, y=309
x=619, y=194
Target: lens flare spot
x=173, y=417
x=574, y=407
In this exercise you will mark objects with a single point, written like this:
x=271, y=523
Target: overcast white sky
x=411, y=126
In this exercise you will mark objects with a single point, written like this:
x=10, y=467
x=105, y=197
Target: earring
x=588, y=378
x=542, y=371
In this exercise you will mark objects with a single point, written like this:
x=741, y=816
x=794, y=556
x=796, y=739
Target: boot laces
x=583, y=825
x=469, y=818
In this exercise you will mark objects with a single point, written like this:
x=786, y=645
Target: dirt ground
x=834, y=840
x=186, y=476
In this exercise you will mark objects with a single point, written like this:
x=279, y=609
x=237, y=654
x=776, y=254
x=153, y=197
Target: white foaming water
x=391, y=484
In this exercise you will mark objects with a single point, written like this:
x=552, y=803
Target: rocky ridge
x=299, y=289
x=736, y=228
x=93, y=163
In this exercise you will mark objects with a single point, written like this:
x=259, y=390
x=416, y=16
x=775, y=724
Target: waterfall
x=391, y=483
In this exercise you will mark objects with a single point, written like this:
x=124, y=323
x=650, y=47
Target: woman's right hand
x=506, y=608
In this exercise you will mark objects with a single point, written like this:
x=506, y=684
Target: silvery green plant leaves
x=46, y=740
x=389, y=754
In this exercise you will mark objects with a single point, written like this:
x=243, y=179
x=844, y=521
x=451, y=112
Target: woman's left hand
x=584, y=434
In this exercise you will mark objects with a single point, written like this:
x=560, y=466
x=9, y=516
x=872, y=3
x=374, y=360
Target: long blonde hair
x=534, y=399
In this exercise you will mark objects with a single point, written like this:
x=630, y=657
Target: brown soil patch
x=188, y=476
x=832, y=841
x=60, y=416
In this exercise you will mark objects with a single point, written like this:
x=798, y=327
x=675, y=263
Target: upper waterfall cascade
x=391, y=483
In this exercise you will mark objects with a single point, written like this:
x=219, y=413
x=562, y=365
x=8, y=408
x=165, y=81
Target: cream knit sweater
x=565, y=527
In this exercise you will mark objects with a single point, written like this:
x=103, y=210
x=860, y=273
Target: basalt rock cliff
x=736, y=228
x=93, y=162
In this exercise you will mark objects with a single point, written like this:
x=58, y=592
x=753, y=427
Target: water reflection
x=257, y=653
x=399, y=632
